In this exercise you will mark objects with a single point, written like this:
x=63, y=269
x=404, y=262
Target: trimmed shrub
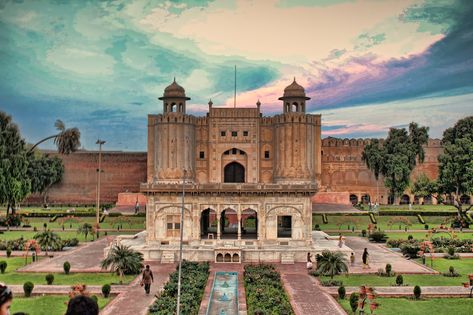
x=49, y=279
x=417, y=292
x=451, y=250
x=378, y=237
x=363, y=233
x=106, y=288
x=410, y=237
x=341, y=293
x=28, y=288
x=331, y=283
x=3, y=266
x=354, y=297
x=67, y=267
x=451, y=272
x=388, y=269
x=8, y=252
x=95, y=298
x=399, y=280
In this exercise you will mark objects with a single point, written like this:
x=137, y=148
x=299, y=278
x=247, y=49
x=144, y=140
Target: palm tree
x=85, y=229
x=332, y=263
x=48, y=239
x=67, y=140
x=123, y=260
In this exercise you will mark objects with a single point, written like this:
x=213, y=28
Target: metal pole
x=100, y=143
x=181, y=234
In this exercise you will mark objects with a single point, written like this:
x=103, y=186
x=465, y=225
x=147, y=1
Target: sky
x=367, y=65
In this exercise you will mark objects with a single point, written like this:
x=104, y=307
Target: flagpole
x=234, y=92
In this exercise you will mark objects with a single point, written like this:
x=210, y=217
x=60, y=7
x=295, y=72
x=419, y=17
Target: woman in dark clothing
x=147, y=279
x=364, y=258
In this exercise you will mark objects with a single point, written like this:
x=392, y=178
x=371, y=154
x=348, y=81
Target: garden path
x=306, y=296
x=85, y=258
x=379, y=256
x=134, y=300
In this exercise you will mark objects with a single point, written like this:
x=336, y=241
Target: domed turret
x=294, y=98
x=174, y=98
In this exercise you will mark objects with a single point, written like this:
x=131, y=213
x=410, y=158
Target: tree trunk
x=41, y=141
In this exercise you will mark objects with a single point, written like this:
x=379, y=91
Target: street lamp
x=181, y=233
x=99, y=170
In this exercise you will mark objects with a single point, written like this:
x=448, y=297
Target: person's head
x=82, y=305
x=147, y=267
x=352, y=254
x=366, y=250
x=6, y=297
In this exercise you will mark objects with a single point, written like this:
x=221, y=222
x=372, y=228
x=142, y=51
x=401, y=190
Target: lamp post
x=181, y=234
x=99, y=170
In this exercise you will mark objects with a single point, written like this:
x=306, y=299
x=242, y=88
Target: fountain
x=224, y=294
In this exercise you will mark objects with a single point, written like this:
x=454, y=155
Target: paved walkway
x=379, y=256
x=456, y=291
x=85, y=258
x=134, y=300
x=306, y=296
x=64, y=289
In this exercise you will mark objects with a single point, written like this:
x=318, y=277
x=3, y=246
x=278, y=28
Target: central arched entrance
x=228, y=224
x=234, y=172
x=208, y=224
x=249, y=224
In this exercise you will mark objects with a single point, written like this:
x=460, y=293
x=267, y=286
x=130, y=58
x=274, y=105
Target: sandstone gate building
x=248, y=180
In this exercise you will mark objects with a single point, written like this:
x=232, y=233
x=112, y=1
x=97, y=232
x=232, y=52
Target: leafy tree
x=14, y=181
x=123, y=260
x=331, y=263
x=456, y=163
x=67, y=140
x=424, y=187
x=85, y=229
x=44, y=172
x=396, y=157
x=48, y=239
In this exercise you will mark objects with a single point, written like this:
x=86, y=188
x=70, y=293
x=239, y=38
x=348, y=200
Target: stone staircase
x=287, y=258
x=167, y=257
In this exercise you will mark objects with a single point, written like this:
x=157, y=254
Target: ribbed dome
x=174, y=90
x=294, y=90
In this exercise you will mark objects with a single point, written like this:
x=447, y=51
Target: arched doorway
x=465, y=199
x=208, y=224
x=249, y=224
x=353, y=199
x=365, y=199
x=234, y=172
x=228, y=224
x=428, y=200
x=405, y=199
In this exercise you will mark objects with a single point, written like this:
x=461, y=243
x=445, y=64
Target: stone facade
x=249, y=180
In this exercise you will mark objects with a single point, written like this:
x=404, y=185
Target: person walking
x=352, y=259
x=309, y=261
x=6, y=297
x=364, y=258
x=147, y=279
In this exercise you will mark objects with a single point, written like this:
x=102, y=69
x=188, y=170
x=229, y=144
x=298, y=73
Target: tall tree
x=15, y=183
x=456, y=163
x=396, y=157
x=67, y=140
x=44, y=172
x=424, y=187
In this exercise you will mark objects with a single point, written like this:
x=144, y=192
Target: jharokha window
x=173, y=225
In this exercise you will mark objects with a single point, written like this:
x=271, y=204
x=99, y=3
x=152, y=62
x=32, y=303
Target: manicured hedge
x=264, y=291
x=19, y=244
x=193, y=282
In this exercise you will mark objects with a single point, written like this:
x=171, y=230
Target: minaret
x=294, y=98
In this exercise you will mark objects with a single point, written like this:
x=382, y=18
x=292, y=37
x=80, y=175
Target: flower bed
x=193, y=282
x=19, y=244
x=264, y=291
x=441, y=245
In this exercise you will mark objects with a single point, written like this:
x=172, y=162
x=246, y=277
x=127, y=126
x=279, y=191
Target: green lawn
x=13, y=277
x=46, y=305
x=397, y=306
x=462, y=266
x=416, y=235
x=13, y=235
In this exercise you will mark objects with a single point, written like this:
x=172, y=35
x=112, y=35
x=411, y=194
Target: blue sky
x=367, y=64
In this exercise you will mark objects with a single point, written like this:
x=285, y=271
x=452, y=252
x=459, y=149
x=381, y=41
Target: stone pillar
x=239, y=222
x=218, y=225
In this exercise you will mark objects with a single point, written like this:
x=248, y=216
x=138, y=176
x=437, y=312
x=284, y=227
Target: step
x=167, y=257
x=287, y=258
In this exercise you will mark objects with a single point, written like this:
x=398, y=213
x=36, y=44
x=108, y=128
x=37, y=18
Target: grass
x=46, y=305
x=13, y=277
x=13, y=235
x=396, y=306
x=462, y=266
x=416, y=235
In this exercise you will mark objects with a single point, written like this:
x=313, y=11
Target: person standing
x=364, y=258
x=147, y=279
x=352, y=259
x=309, y=261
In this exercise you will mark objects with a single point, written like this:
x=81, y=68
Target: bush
x=354, y=297
x=49, y=279
x=331, y=283
x=399, y=280
x=3, y=266
x=417, y=292
x=363, y=233
x=378, y=237
x=410, y=237
x=28, y=288
x=8, y=252
x=106, y=288
x=95, y=298
x=426, y=226
x=451, y=250
x=410, y=250
x=451, y=272
x=388, y=269
x=67, y=267
x=341, y=293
